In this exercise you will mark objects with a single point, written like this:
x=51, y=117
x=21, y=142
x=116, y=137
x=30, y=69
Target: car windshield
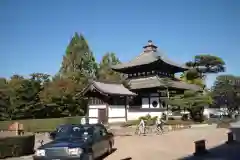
x=74, y=131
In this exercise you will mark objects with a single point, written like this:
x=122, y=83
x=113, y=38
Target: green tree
x=192, y=101
x=59, y=98
x=78, y=67
x=105, y=73
x=197, y=80
x=204, y=64
x=4, y=100
x=24, y=97
x=78, y=59
x=226, y=91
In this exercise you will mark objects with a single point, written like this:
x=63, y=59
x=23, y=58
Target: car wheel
x=90, y=156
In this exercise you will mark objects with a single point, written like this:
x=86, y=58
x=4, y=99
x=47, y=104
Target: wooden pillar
x=200, y=148
x=87, y=114
x=126, y=109
x=168, y=96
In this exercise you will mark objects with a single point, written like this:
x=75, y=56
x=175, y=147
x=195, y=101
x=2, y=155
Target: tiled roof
x=155, y=81
x=148, y=57
x=110, y=88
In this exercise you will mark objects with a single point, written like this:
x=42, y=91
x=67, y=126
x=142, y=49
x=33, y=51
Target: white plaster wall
x=135, y=115
x=116, y=113
x=93, y=112
x=145, y=103
x=208, y=111
x=93, y=120
x=114, y=120
x=97, y=106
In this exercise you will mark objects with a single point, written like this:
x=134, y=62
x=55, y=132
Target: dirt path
x=171, y=146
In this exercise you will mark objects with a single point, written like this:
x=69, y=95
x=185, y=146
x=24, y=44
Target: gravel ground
x=170, y=146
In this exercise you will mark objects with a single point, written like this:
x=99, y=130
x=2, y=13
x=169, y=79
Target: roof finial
x=150, y=47
x=149, y=42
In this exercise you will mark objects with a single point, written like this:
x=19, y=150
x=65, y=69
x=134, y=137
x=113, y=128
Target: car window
x=74, y=131
x=99, y=131
x=102, y=130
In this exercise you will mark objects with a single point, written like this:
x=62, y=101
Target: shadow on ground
x=104, y=156
x=221, y=152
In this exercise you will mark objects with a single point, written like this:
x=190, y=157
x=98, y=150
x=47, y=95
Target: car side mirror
x=52, y=135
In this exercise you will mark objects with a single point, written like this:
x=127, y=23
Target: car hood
x=65, y=142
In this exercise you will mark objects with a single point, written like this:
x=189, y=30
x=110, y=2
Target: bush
x=130, y=123
x=148, y=119
x=41, y=125
x=16, y=146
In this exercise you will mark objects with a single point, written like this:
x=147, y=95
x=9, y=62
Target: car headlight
x=40, y=152
x=74, y=151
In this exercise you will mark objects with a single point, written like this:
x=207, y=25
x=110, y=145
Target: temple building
x=150, y=76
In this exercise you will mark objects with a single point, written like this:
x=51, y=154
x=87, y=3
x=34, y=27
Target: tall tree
x=105, y=72
x=226, y=91
x=23, y=97
x=78, y=59
x=59, y=98
x=4, y=100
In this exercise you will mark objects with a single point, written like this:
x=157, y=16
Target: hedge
x=41, y=125
x=16, y=146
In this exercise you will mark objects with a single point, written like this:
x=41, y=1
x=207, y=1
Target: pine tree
x=78, y=60
x=105, y=73
x=4, y=99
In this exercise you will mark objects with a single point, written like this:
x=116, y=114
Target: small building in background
x=150, y=77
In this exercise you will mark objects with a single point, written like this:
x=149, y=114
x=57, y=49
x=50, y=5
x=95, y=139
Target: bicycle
x=147, y=130
x=159, y=131
x=136, y=131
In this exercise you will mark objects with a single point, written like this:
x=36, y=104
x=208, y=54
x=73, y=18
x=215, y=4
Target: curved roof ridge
x=111, y=88
x=147, y=57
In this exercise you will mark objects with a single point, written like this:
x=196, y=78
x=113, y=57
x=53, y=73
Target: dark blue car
x=84, y=142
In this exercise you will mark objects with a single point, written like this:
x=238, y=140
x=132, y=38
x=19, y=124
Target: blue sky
x=34, y=34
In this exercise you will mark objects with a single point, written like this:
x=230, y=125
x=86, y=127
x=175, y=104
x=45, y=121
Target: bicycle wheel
x=137, y=131
x=147, y=130
x=159, y=131
x=150, y=131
